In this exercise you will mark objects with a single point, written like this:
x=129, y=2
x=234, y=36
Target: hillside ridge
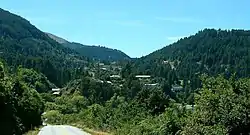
x=92, y=51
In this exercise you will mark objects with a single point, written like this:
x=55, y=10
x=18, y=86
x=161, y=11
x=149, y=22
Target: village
x=110, y=73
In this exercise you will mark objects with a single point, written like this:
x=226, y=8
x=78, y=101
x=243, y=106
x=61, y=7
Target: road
x=61, y=130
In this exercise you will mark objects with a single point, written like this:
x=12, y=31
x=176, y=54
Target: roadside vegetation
x=221, y=107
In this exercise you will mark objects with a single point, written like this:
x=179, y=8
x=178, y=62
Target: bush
x=222, y=107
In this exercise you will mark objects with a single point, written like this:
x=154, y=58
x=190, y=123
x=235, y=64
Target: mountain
x=57, y=39
x=21, y=43
x=209, y=51
x=94, y=52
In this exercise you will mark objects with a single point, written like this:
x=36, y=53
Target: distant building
x=153, y=84
x=101, y=64
x=142, y=76
x=165, y=62
x=100, y=81
x=176, y=88
x=104, y=68
x=113, y=63
x=115, y=76
x=109, y=82
x=56, y=91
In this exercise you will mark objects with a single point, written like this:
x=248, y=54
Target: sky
x=137, y=27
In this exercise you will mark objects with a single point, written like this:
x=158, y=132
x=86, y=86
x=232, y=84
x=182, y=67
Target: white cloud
x=174, y=38
x=179, y=19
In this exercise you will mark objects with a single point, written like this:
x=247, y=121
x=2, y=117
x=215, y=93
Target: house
x=176, y=88
x=56, y=91
x=115, y=76
x=165, y=62
x=152, y=84
x=104, y=68
x=99, y=81
x=101, y=64
x=109, y=82
x=144, y=79
x=142, y=76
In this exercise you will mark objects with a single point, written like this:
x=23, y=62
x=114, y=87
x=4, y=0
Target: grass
x=88, y=130
x=33, y=132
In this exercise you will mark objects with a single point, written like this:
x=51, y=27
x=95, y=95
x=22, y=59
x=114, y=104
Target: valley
x=197, y=85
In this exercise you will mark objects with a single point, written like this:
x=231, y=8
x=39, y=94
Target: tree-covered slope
x=21, y=43
x=34, y=80
x=93, y=52
x=208, y=51
x=57, y=39
x=20, y=104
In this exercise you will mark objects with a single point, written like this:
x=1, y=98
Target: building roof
x=109, y=82
x=115, y=76
x=142, y=76
x=55, y=89
x=101, y=64
x=104, y=68
x=153, y=84
x=176, y=87
x=56, y=93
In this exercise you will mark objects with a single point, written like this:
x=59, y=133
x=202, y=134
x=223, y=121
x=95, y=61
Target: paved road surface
x=61, y=130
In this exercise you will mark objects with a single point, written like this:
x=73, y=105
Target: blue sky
x=137, y=27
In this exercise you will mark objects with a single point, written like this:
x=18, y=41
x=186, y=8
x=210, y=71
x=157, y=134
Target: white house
x=115, y=76
x=152, y=84
x=142, y=76
x=56, y=91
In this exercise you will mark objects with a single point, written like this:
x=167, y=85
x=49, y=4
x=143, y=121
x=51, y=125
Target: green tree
x=221, y=107
x=21, y=106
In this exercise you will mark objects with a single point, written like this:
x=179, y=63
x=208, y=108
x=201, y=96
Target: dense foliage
x=221, y=107
x=35, y=80
x=21, y=105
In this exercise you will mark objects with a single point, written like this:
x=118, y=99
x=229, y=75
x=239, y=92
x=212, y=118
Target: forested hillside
x=93, y=52
x=208, y=51
x=21, y=43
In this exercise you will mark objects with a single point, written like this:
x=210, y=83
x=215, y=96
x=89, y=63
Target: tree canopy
x=21, y=106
